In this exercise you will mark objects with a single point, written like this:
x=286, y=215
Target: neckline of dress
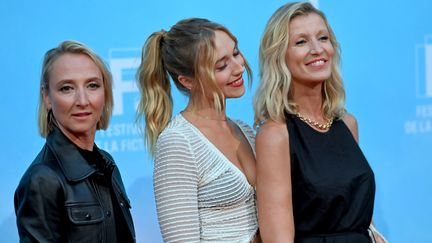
x=222, y=155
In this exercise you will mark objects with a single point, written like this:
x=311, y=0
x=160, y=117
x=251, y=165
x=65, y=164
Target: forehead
x=223, y=43
x=73, y=66
x=304, y=24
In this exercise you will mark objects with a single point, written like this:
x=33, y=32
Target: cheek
x=221, y=78
x=60, y=108
x=330, y=54
x=59, y=104
x=292, y=63
x=330, y=50
x=99, y=102
x=293, y=59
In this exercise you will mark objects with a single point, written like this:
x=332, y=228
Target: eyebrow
x=320, y=32
x=67, y=80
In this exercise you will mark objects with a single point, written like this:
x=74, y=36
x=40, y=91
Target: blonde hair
x=187, y=49
x=46, y=119
x=273, y=97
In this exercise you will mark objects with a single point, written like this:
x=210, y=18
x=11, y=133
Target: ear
x=46, y=98
x=185, y=81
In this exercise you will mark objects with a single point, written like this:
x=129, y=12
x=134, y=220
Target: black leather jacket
x=58, y=198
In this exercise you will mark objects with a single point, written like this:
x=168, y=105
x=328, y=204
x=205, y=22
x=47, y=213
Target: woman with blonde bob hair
x=313, y=182
x=204, y=171
x=45, y=119
x=73, y=191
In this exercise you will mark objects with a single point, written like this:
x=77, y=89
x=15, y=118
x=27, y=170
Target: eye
x=222, y=67
x=300, y=42
x=94, y=85
x=66, y=89
x=324, y=38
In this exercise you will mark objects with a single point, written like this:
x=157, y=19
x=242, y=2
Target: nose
x=239, y=65
x=81, y=97
x=316, y=47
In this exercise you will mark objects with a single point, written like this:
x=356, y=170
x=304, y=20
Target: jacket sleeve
x=39, y=206
x=176, y=189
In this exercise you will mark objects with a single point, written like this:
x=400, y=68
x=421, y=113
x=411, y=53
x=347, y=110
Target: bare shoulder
x=352, y=124
x=272, y=132
x=349, y=120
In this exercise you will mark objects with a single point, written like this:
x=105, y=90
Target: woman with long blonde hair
x=313, y=182
x=204, y=171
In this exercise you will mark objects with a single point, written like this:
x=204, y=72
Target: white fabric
x=200, y=195
x=373, y=230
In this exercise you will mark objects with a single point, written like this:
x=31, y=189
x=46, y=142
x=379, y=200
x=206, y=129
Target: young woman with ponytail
x=204, y=171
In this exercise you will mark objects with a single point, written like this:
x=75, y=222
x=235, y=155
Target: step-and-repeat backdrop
x=386, y=64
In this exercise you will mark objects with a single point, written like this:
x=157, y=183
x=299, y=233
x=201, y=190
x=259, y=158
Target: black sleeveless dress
x=333, y=186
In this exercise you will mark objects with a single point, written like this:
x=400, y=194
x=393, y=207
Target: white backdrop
x=386, y=64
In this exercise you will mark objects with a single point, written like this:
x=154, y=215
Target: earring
x=49, y=115
x=51, y=119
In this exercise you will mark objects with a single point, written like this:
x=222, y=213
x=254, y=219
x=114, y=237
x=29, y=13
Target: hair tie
x=164, y=33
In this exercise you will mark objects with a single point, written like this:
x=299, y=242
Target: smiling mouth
x=316, y=63
x=237, y=82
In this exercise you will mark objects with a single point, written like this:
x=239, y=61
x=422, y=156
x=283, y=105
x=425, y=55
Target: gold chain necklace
x=318, y=125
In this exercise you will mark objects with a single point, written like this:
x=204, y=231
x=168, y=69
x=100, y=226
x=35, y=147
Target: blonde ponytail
x=155, y=105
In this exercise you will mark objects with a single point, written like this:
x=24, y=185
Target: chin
x=233, y=96
x=320, y=78
x=81, y=130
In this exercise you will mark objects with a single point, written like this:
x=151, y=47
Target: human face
x=310, y=52
x=75, y=95
x=229, y=66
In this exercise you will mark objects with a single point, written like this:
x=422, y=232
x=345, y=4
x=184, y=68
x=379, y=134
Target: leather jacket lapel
x=72, y=163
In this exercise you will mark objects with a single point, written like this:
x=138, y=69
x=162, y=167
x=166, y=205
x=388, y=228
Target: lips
x=81, y=114
x=236, y=83
x=316, y=62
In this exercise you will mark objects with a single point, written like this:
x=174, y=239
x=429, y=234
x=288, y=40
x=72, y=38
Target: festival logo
x=423, y=75
x=424, y=68
x=122, y=134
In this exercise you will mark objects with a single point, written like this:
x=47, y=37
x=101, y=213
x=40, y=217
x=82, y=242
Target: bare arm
x=274, y=197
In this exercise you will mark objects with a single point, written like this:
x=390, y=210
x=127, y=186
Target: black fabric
x=333, y=186
x=71, y=195
x=103, y=189
x=103, y=176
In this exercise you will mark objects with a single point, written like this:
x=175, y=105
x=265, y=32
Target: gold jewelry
x=206, y=117
x=318, y=125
